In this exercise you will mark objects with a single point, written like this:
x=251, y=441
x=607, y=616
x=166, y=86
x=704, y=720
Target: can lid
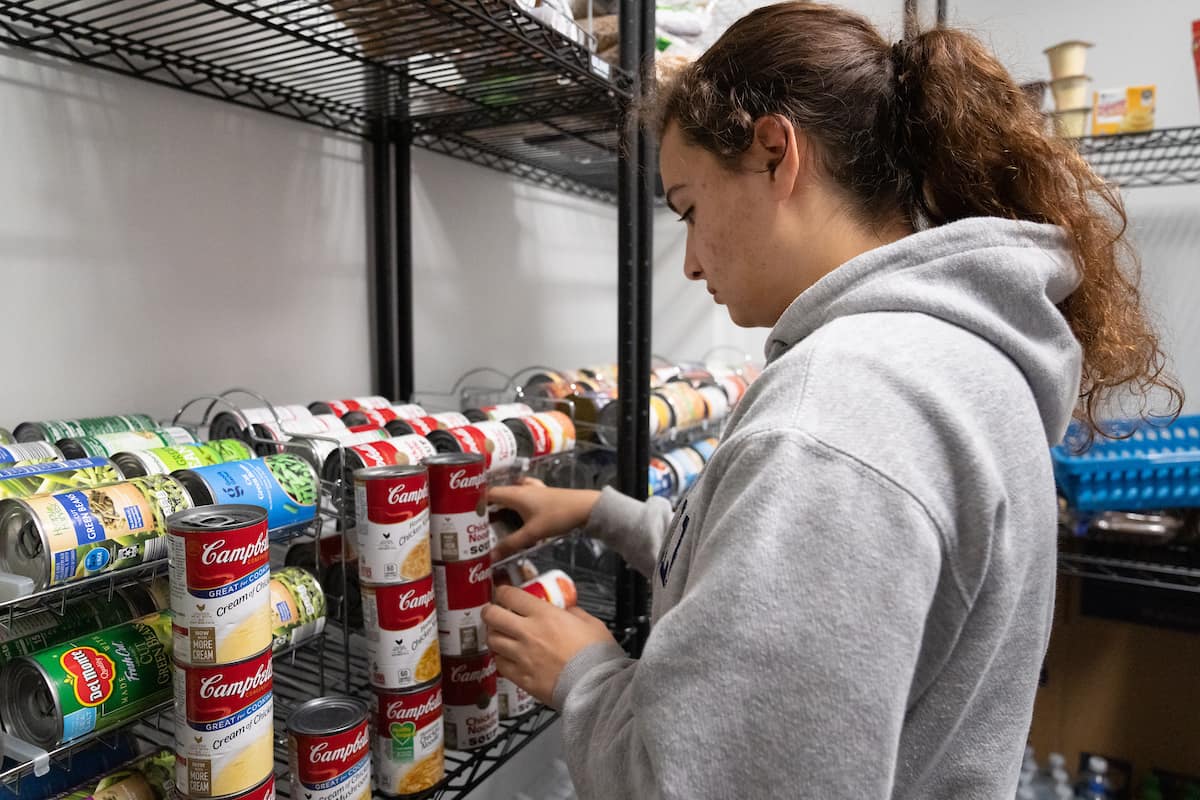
x=446, y=459
x=216, y=518
x=327, y=715
x=31, y=709
x=390, y=471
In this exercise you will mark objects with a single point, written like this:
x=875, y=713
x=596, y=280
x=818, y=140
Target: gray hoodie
x=855, y=598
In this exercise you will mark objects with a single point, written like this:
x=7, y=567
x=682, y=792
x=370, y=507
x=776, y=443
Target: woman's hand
x=533, y=641
x=546, y=512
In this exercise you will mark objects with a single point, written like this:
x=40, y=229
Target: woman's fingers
x=499, y=618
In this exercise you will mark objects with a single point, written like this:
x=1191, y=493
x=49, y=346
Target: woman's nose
x=691, y=266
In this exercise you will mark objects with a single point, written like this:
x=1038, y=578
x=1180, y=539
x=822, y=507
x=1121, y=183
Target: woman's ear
x=776, y=151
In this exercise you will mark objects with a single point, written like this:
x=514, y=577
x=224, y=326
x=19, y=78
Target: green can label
x=36, y=632
x=77, y=473
x=164, y=460
x=106, y=678
x=56, y=429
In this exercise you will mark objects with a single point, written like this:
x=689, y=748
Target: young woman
x=855, y=599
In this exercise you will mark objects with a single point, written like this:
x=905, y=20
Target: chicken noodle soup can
x=90, y=683
x=458, y=516
x=297, y=607
x=223, y=727
x=401, y=628
x=57, y=476
x=329, y=750
x=512, y=700
x=436, y=422
x=470, y=704
x=392, y=523
x=55, y=429
x=341, y=408
x=220, y=583
x=109, y=444
x=165, y=460
x=285, y=485
x=29, y=453
x=493, y=440
x=58, y=538
x=555, y=587
x=463, y=589
x=398, y=450
x=409, y=740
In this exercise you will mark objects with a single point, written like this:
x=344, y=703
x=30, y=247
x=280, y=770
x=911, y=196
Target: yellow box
x=1127, y=110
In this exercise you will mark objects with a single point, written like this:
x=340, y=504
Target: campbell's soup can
x=544, y=434
x=555, y=587
x=264, y=791
x=512, y=700
x=492, y=440
x=458, y=515
x=470, y=705
x=401, y=628
x=341, y=408
x=409, y=748
x=425, y=425
x=463, y=588
x=329, y=750
x=499, y=412
x=223, y=727
x=392, y=523
x=220, y=583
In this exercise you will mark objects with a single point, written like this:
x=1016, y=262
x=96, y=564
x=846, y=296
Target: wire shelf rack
x=1131, y=571
x=1165, y=157
x=475, y=79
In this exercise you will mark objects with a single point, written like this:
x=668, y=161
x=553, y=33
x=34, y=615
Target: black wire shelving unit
x=1164, y=157
x=1132, y=571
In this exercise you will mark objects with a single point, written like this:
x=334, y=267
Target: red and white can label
x=392, y=524
x=322, y=448
x=408, y=411
x=512, y=700
x=493, y=440
x=331, y=766
x=463, y=588
x=396, y=450
x=471, y=709
x=223, y=727
x=379, y=416
x=458, y=521
x=555, y=587
x=504, y=411
x=264, y=791
x=401, y=627
x=409, y=754
x=220, y=594
x=436, y=422
x=343, y=407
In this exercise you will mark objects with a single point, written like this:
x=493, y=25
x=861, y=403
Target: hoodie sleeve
x=635, y=529
x=788, y=660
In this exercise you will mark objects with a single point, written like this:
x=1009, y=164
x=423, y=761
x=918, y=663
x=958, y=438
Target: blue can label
x=50, y=467
x=87, y=527
x=285, y=485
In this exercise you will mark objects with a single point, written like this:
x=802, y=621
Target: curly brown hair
x=928, y=131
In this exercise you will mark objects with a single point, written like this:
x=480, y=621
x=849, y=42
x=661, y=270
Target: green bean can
x=6, y=436
x=29, y=633
x=91, y=683
x=55, y=429
x=66, y=536
x=285, y=485
x=165, y=460
x=57, y=476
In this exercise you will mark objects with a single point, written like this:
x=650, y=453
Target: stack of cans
x=329, y=750
x=462, y=572
x=220, y=603
x=401, y=626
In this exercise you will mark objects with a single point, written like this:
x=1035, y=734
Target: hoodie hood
x=999, y=279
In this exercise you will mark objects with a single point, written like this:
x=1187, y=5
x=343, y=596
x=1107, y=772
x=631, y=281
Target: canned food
x=512, y=700
x=687, y=405
x=400, y=625
x=220, y=583
x=548, y=433
x=498, y=413
x=604, y=373
x=285, y=485
x=28, y=453
x=662, y=419
x=106, y=445
x=165, y=460
x=392, y=523
x=224, y=727
x=264, y=791
x=514, y=573
x=55, y=429
x=320, y=452
x=409, y=755
x=341, y=408
x=56, y=476
x=297, y=607
x=661, y=479
x=271, y=436
x=716, y=401
x=90, y=683
x=470, y=706
x=399, y=450
x=463, y=589
x=548, y=384
x=148, y=778
x=688, y=465
x=329, y=750
x=458, y=519
x=238, y=425
x=386, y=418
x=706, y=447
x=31, y=633
x=75, y=534
x=493, y=440
x=555, y=587
x=6, y=436
x=423, y=426
x=146, y=598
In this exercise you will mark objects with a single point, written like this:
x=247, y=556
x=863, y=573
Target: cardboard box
x=1127, y=110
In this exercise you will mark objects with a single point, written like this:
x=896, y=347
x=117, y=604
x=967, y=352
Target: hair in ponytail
x=928, y=131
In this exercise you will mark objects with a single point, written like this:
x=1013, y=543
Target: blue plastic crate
x=1157, y=467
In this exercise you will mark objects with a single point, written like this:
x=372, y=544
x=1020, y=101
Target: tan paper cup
x=1070, y=92
x=1067, y=58
x=1071, y=122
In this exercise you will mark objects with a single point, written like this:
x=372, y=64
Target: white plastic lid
x=1098, y=764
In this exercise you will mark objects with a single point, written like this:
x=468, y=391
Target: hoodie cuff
x=582, y=663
